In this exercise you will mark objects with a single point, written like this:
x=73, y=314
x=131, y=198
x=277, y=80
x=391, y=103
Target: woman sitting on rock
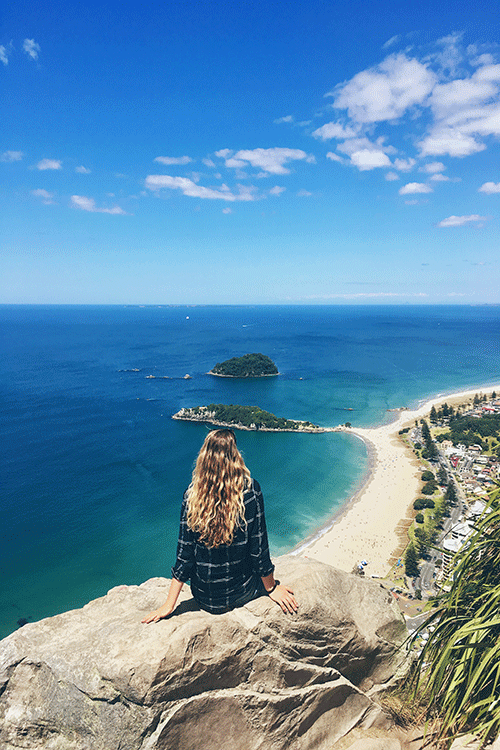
x=223, y=548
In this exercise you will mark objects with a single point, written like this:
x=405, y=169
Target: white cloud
x=391, y=176
x=334, y=157
x=44, y=195
x=438, y=177
x=223, y=153
x=358, y=144
x=366, y=159
x=465, y=111
x=433, y=167
x=233, y=163
x=169, y=160
x=404, y=165
x=489, y=188
x=82, y=170
x=88, y=204
x=452, y=141
x=303, y=193
x=288, y=118
x=277, y=190
x=4, y=55
x=450, y=56
x=31, y=48
x=415, y=187
x=191, y=189
x=448, y=102
x=11, y=156
x=334, y=130
x=485, y=59
x=459, y=221
x=227, y=210
x=208, y=162
x=49, y=164
x=385, y=91
x=391, y=41
x=364, y=154
x=450, y=98
x=270, y=160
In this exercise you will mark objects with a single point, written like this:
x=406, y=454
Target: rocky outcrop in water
x=251, y=679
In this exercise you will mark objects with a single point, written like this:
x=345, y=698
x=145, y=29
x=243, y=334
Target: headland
x=239, y=417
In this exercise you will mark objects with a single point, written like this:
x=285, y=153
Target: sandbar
x=373, y=524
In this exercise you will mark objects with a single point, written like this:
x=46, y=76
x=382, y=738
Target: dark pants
x=257, y=590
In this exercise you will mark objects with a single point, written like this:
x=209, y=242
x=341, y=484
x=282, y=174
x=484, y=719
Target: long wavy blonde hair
x=215, y=495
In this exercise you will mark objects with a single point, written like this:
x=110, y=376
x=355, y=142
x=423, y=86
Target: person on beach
x=223, y=548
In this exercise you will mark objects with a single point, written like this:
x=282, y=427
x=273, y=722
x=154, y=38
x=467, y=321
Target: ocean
x=93, y=466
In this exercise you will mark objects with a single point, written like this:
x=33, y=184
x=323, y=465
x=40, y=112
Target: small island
x=248, y=366
x=245, y=418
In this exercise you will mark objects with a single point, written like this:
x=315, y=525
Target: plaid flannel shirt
x=220, y=576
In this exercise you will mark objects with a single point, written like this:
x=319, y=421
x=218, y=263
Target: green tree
x=433, y=415
x=429, y=488
x=411, y=562
x=450, y=496
x=442, y=476
x=422, y=539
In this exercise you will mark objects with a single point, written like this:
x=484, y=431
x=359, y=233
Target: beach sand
x=374, y=524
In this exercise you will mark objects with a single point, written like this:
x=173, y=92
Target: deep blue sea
x=93, y=466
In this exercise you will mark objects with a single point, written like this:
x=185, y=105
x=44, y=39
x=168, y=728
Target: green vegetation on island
x=248, y=366
x=244, y=417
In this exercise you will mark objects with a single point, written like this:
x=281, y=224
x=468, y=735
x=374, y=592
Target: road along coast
x=372, y=525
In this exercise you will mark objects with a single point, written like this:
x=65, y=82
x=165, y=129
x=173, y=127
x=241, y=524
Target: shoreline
x=370, y=524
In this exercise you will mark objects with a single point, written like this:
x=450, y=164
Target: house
x=476, y=509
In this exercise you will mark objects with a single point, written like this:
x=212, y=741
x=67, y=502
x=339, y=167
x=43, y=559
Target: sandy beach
x=375, y=520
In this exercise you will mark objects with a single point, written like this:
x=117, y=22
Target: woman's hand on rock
x=283, y=595
x=158, y=614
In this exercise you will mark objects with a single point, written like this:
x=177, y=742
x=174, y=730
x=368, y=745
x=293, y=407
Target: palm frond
x=458, y=670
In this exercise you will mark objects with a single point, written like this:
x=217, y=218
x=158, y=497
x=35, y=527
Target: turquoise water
x=93, y=467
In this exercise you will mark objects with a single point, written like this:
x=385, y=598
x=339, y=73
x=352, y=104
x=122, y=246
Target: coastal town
x=468, y=473
x=421, y=499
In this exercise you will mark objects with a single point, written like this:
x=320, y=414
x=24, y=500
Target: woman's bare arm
x=281, y=594
x=166, y=609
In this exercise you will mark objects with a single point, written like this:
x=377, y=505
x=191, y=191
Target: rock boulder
x=252, y=679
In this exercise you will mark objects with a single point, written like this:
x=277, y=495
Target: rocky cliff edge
x=251, y=679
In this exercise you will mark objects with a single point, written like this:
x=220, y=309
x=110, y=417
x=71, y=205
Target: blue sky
x=250, y=152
